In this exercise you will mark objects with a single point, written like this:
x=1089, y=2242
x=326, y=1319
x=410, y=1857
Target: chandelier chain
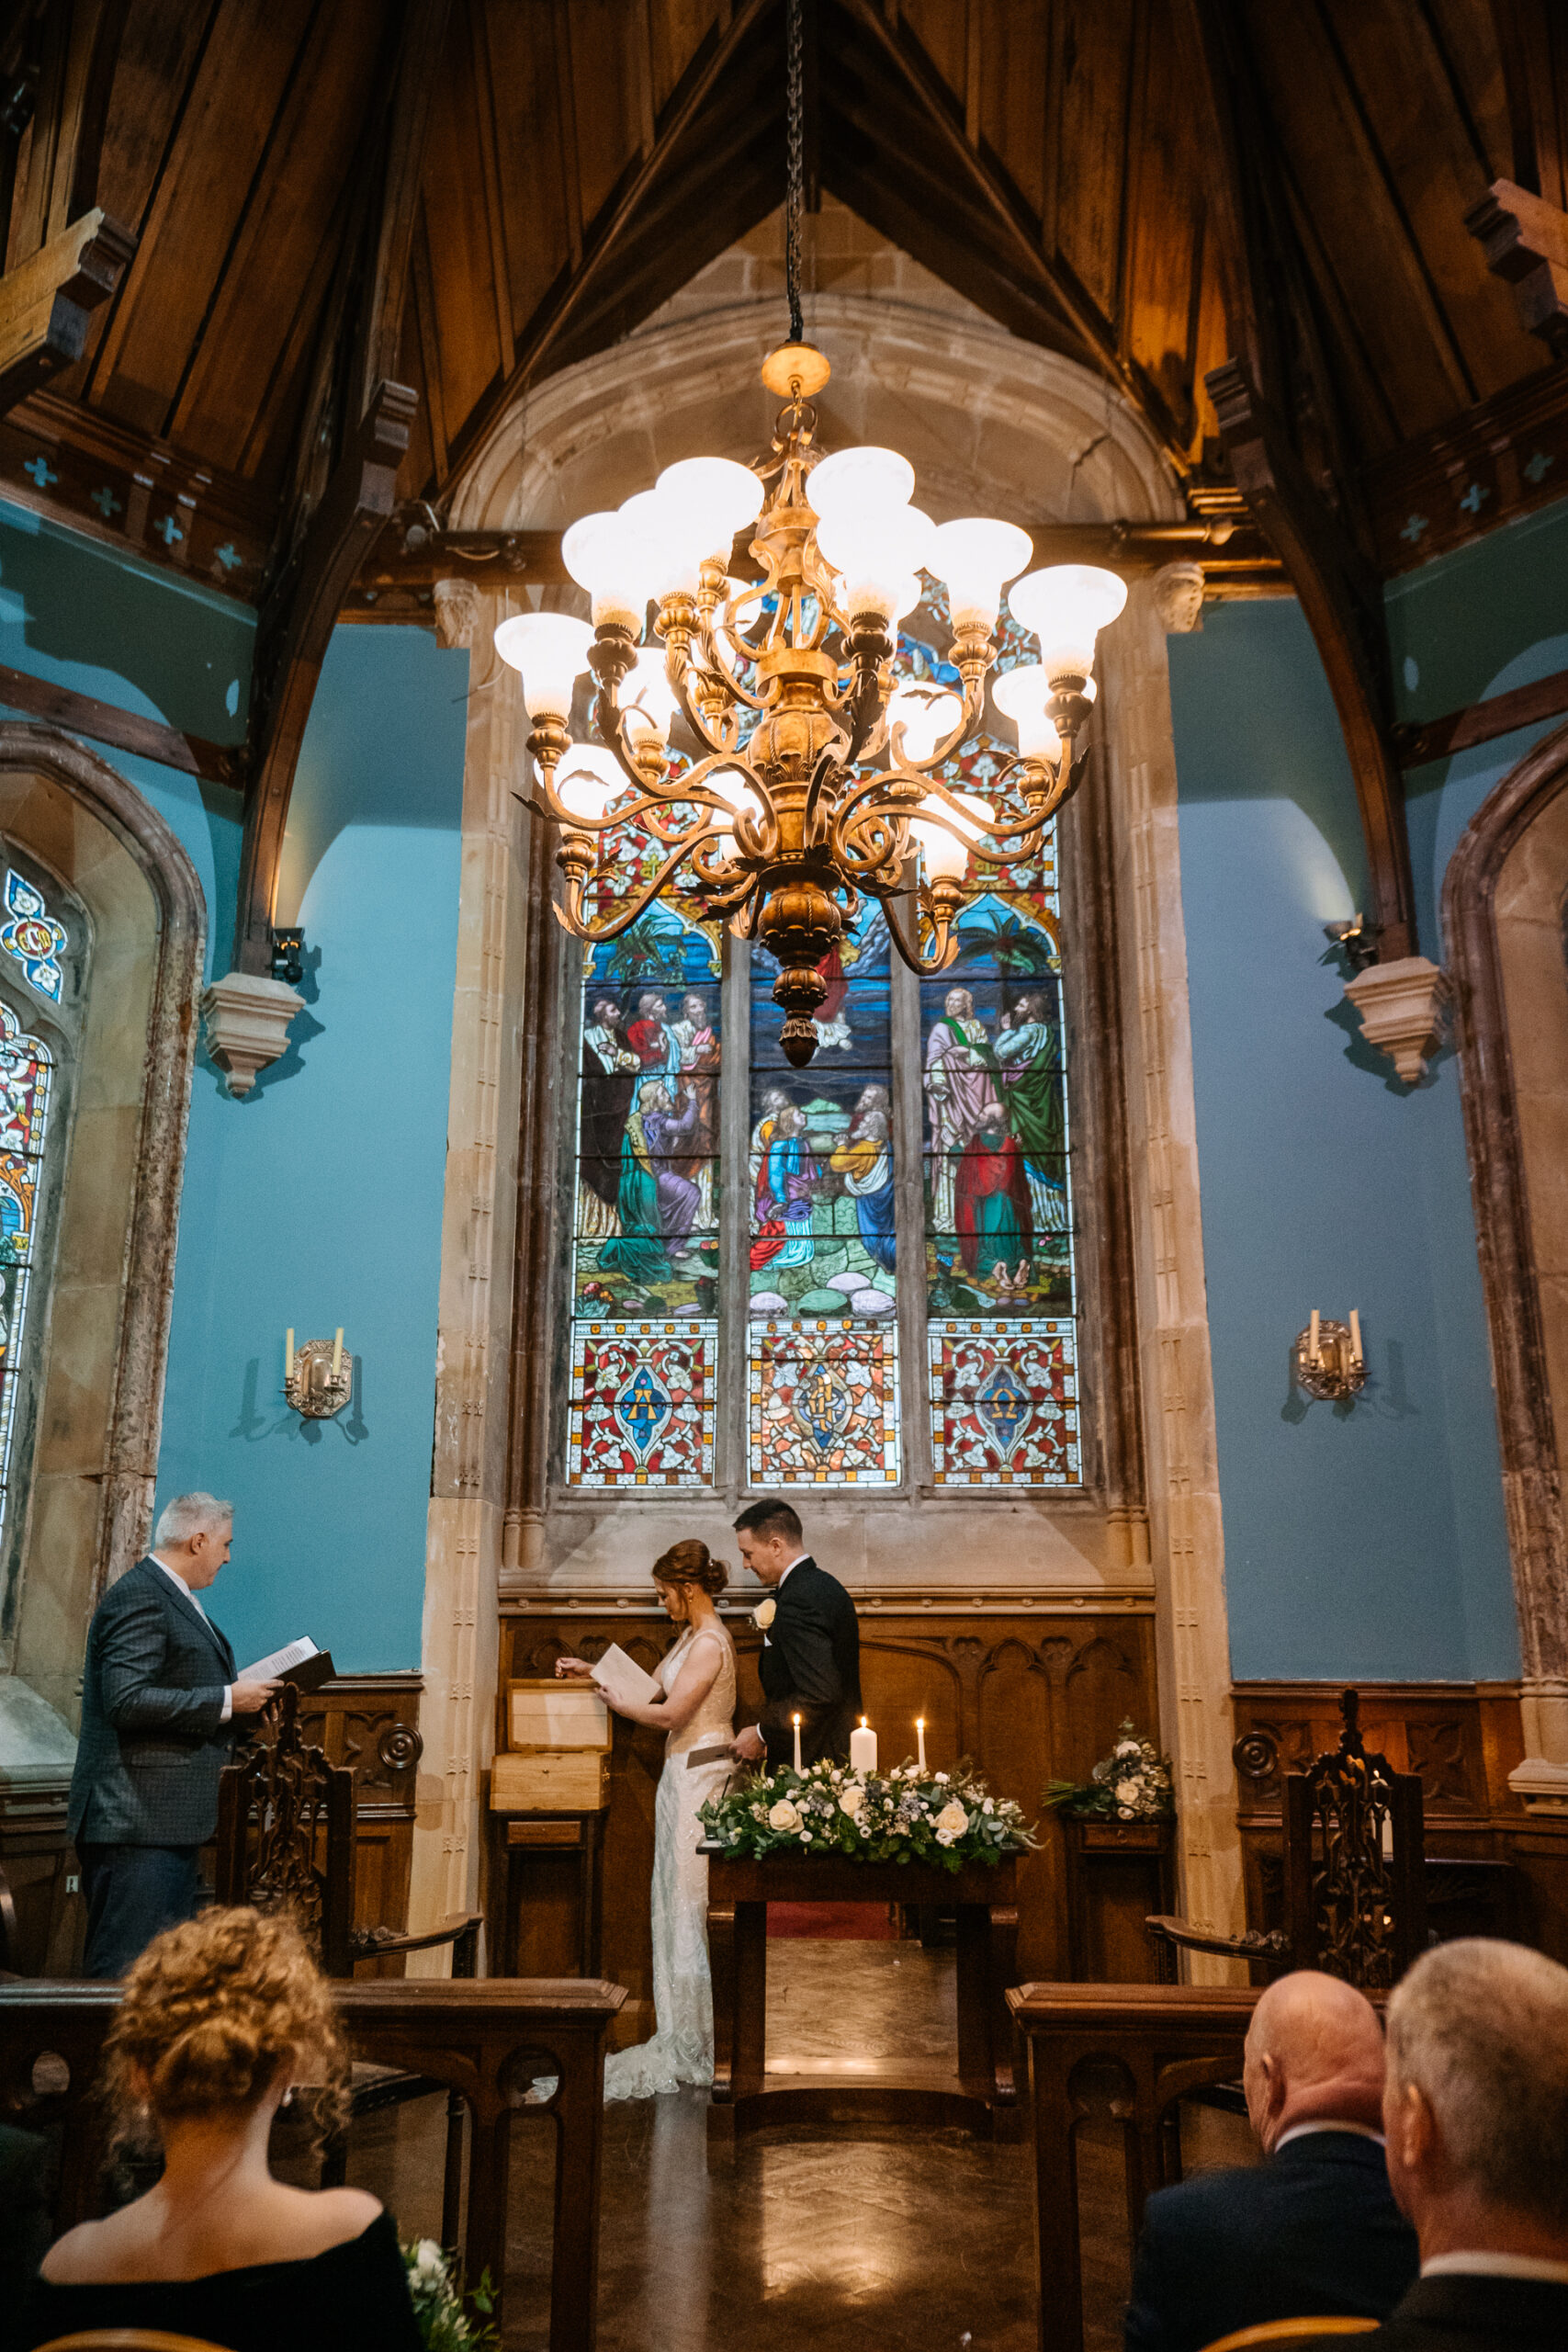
x=795, y=156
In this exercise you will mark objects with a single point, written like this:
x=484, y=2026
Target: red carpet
x=861, y=1923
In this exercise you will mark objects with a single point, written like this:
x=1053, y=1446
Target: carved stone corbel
x=247, y=1016
x=1178, y=598
x=456, y=612
x=1403, y=1006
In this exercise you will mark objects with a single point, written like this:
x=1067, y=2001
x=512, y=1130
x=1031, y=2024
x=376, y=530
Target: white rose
x=762, y=1615
x=951, y=1823
x=1126, y=1793
x=942, y=1780
x=429, y=2260
x=784, y=1815
x=853, y=1799
x=1126, y=1747
x=988, y=1806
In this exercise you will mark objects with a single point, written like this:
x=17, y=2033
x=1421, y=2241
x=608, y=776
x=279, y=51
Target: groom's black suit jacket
x=810, y=1667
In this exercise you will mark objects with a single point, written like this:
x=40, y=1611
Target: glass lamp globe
x=703, y=502
x=1021, y=696
x=854, y=480
x=1066, y=605
x=608, y=554
x=975, y=557
x=941, y=854
x=926, y=712
x=677, y=557
x=876, y=551
x=550, y=649
x=588, y=779
x=647, y=699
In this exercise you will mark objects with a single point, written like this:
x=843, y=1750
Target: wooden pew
x=472, y=2036
x=1131, y=2051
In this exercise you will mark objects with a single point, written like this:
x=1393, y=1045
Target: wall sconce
x=1328, y=1358
x=317, y=1380
x=287, y=954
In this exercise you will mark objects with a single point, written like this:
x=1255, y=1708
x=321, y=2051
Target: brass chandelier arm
x=597, y=929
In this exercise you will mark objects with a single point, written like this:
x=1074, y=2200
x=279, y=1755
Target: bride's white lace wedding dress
x=682, y=2050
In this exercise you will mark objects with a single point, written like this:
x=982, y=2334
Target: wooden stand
x=982, y=2099
x=1116, y=1874
x=520, y=1843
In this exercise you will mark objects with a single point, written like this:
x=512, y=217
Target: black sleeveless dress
x=354, y=2295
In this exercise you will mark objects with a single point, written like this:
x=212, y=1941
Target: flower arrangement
x=905, y=1816
x=762, y=1615
x=1132, y=1783
x=444, y=2325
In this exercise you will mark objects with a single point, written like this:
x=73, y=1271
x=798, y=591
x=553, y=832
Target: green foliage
x=1132, y=1783
x=906, y=1816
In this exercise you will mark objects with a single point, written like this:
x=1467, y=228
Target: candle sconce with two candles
x=1328, y=1358
x=318, y=1379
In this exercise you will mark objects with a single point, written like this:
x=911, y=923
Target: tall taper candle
x=1356, y=1335
x=797, y=1720
x=1312, y=1342
x=288, y=1354
x=920, y=1735
x=863, y=1750
x=337, y=1354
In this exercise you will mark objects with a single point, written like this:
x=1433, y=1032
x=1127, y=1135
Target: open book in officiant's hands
x=300, y=1663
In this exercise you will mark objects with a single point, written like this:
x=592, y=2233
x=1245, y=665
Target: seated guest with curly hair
x=1315, y=2228
x=221, y=2018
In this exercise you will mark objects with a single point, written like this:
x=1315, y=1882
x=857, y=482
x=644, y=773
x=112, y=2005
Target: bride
x=697, y=1678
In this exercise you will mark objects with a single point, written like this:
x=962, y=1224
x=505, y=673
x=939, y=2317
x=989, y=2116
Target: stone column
x=1137, y=767
x=468, y=1483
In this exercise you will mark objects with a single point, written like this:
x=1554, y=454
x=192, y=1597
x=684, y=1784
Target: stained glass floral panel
x=25, y=1074
x=823, y=1404
x=32, y=937
x=642, y=1404
x=1004, y=1399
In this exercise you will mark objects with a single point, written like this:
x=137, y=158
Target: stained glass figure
x=31, y=936
x=823, y=1403
x=1004, y=1403
x=25, y=1071
x=641, y=1407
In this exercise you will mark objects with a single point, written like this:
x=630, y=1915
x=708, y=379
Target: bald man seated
x=1476, y=2112
x=1314, y=2230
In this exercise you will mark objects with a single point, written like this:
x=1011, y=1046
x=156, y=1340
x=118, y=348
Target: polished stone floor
x=905, y=2240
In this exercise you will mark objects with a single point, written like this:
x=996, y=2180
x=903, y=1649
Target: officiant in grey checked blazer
x=160, y=1714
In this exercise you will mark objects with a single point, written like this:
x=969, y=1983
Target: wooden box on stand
x=558, y=1754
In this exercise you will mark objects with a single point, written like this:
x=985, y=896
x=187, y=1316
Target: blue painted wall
x=1366, y=1542
x=318, y=1199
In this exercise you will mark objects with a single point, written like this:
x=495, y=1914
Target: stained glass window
x=25, y=1071
x=31, y=936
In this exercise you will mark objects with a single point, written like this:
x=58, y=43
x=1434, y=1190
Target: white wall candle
x=863, y=1750
x=921, y=1736
x=1312, y=1342
x=288, y=1354
x=797, y=1743
x=337, y=1354
x=1356, y=1335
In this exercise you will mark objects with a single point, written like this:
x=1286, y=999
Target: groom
x=810, y=1661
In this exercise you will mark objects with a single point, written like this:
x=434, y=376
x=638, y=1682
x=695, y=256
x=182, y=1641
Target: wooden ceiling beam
x=1341, y=597
x=424, y=30
x=293, y=634
x=47, y=302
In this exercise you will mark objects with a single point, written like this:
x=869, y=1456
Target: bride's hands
x=574, y=1669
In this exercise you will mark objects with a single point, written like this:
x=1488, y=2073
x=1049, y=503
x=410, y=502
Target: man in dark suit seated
x=1476, y=2113
x=1313, y=2230
x=810, y=1661
x=161, y=1709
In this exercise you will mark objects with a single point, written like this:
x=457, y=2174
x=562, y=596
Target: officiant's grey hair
x=188, y=1515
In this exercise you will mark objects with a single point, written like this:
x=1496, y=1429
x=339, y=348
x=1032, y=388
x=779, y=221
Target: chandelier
x=819, y=776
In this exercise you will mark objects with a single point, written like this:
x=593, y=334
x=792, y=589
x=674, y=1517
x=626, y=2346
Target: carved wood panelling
x=371, y=1721
x=1028, y=1701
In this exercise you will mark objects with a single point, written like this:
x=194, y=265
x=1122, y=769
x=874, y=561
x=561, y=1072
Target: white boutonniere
x=762, y=1615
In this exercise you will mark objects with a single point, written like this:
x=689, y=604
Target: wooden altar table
x=1130, y=2050
x=982, y=2099
x=472, y=2036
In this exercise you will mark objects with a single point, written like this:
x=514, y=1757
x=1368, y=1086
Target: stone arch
x=101, y=1373
x=1503, y=920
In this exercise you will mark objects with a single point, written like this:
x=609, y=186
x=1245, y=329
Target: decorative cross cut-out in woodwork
x=1537, y=467
x=1474, y=498
x=168, y=531
x=41, y=471
x=106, y=502
x=1415, y=528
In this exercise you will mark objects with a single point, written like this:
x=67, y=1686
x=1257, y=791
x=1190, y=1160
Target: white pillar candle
x=921, y=1736
x=288, y=1354
x=797, y=1743
x=1356, y=1335
x=863, y=1750
x=337, y=1354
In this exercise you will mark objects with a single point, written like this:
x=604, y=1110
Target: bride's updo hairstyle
x=212, y=2011
x=691, y=1563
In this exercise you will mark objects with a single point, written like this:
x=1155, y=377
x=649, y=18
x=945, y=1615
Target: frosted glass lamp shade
x=852, y=481
x=926, y=712
x=676, y=557
x=876, y=551
x=550, y=649
x=1066, y=605
x=732, y=785
x=941, y=854
x=588, y=779
x=703, y=502
x=1020, y=694
x=608, y=554
x=975, y=557
x=648, y=700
